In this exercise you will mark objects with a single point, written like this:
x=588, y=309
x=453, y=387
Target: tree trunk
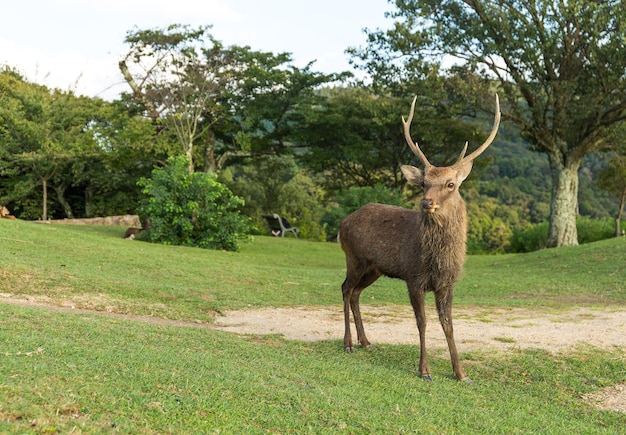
x=564, y=205
x=60, y=190
x=618, y=216
x=88, y=201
x=210, y=162
x=189, y=153
x=44, y=212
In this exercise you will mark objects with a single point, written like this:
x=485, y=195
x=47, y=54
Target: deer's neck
x=443, y=239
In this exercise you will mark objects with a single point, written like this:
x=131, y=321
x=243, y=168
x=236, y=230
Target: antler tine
x=407, y=135
x=462, y=155
x=492, y=136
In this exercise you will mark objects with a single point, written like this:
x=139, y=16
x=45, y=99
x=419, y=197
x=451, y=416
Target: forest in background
x=314, y=185
x=310, y=146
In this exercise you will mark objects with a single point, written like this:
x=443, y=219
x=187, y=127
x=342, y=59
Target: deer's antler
x=462, y=158
x=407, y=135
x=485, y=145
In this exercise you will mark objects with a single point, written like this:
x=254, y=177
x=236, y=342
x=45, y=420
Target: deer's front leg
x=443, y=300
x=417, y=301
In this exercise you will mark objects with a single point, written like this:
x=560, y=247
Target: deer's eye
x=450, y=186
x=421, y=184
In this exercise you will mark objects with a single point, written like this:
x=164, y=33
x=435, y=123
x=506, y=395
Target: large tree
x=63, y=155
x=201, y=90
x=559, y=66
x=45, y=132
x=355, y=138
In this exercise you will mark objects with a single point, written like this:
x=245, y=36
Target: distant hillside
x=509, y=192
x=520, y=178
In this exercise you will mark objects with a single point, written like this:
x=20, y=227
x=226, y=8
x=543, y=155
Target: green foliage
x=88, y=153
x=486, y=231
x=355, y=138
x=275, y=184
x=191, y=209
x=530, y=238
x=218, y=100
x=534, y=236
x=592, y=230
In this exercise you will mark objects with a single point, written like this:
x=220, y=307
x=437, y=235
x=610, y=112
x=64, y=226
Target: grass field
x=80, y=372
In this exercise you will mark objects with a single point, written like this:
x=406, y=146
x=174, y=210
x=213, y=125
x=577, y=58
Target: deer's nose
x=427, y=204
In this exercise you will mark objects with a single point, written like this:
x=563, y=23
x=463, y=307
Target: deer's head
x=442, y=183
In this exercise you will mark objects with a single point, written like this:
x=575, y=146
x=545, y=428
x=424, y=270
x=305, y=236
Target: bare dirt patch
x=474, y=329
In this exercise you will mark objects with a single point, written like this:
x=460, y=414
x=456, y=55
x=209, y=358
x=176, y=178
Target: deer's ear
x=464, y=170
x=412, y=174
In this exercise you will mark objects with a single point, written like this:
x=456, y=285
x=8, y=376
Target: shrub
x=191, y=209
x=592, y=230
x=530, y=238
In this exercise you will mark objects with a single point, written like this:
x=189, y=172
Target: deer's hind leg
x=351, y=293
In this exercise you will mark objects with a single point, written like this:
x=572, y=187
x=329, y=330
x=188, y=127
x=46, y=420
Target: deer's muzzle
x=429, y=206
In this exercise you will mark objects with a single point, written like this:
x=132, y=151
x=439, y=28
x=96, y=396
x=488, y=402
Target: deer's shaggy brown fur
x=425, y=248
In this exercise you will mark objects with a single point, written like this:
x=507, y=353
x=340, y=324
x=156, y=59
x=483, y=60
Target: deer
x=5, y=213
x=132, y=232
x=425, y=248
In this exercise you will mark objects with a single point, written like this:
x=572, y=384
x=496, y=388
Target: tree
x=559, y=65
x=166, y=73
x=44, y=133
x=271, y=100
x=191, y=209
x=201, y=90
x=72, y=156
x=275, y=184
x=613, y=179
x=355, y=138
x=106, y=183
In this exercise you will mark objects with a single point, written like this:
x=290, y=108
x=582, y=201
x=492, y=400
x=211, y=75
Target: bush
x=530, y=238
x=191, y=209
x=592, y=230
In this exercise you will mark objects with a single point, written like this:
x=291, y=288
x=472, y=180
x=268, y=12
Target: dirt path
x=496, y=328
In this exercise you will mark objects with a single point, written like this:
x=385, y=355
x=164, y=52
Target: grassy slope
x=86, y=373
x=96, y=268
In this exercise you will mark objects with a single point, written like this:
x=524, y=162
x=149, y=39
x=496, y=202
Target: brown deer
x=132, y=232
x=425, y=248
x=5, y=213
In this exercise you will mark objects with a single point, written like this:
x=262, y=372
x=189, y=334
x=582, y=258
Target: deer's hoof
x=427, y=378
x=349, y=349
x=370, y=347
x=467, y=380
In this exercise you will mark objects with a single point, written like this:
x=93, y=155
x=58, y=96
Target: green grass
x=78, y=372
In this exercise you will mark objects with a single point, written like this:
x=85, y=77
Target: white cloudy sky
x=76, y=44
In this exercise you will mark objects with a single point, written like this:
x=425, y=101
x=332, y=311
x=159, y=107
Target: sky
x=76, y=44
